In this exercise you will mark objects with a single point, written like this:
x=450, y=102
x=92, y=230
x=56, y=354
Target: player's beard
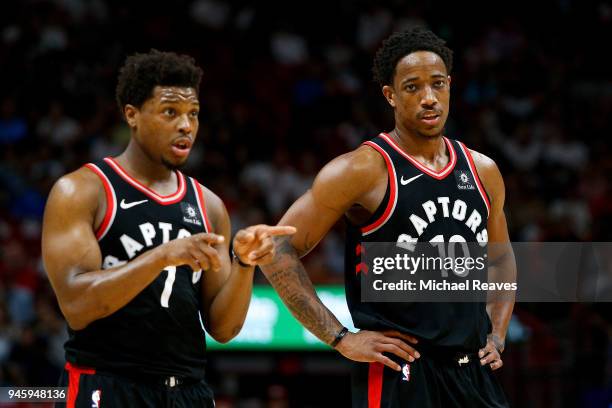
x=172, y=166
x=430, y=136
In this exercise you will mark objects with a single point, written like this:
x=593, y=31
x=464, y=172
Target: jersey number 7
x=169, y=284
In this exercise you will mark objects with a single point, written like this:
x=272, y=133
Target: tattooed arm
x=289, y=278
x=356, y=178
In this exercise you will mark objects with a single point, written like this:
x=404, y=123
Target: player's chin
x=431, y=131
x=173, y=162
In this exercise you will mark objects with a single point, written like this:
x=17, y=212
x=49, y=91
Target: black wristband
x=339, y=337
x=234, y=256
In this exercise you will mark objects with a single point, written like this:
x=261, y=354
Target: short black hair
x=141, y=73
x=400, y=44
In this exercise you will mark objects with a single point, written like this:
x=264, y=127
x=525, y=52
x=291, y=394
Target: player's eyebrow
x=410, y=79
x=171, y=99
x=416, y=78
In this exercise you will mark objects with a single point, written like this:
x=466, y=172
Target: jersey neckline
x=439, y=175
x=165, y=200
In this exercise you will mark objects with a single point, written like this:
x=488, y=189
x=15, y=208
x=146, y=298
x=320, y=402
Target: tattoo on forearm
x=288, y=276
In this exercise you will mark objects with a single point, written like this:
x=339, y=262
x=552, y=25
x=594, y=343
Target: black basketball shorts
x=458, y=381
x=88, y=388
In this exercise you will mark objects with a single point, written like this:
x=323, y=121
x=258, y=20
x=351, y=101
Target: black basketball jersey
x=160, y=331
x=421, y=205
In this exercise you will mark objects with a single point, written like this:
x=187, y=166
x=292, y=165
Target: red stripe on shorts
x=74, y=377
x=375, y=382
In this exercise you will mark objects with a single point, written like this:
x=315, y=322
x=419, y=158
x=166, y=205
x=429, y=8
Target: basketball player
x=381, y=188
x=137, y=253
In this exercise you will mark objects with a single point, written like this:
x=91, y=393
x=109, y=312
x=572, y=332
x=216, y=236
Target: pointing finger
x=281, y=230
x=210, y=238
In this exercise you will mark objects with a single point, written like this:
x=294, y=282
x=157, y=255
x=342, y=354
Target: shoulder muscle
x=491, y=178
x=347, y=178
x=216, y=211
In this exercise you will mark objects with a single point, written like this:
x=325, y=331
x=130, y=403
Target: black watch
x=237, y=258
x=339, y=337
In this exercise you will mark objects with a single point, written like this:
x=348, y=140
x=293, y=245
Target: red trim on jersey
x=481, y=190
x=361, y=267
x=393, y=195
x=164, y=200
x=111, y=202
x=201, y=203
x=375, y=383
x=74, y=377
x=439, y=175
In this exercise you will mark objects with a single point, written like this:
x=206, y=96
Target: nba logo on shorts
x=95, y=398
x=406, y=372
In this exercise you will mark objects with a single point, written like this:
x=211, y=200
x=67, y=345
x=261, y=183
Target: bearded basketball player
x=138, y=253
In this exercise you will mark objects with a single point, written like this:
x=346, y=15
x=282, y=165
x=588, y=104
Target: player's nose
x=428, y=99
x=184, y=124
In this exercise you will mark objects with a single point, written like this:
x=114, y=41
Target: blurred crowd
x=287, y=87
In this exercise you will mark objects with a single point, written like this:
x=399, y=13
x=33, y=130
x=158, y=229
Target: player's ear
x=131, y=114
x=449, y=80
x=389, y=94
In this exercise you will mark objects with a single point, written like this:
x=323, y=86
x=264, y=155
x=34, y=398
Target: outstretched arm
x=226, y=293
x=72, y=256
x=343, y=182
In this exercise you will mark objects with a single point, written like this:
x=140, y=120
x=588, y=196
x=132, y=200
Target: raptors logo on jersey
x=422, y=205
x=142, y=336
